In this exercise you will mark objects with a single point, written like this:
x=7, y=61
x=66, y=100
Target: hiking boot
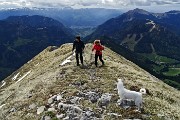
x=103, y=64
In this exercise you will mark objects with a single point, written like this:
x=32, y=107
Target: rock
x=50, y=100
x=66, y=118
x=160, y=115
x=32, y=106
x=77, y=109
x=52, y=48
x=52, y=109
x=12, y=110
x=71, y=113
x=46, y=118
x=59, y=97
x=145, y=116
x=92, y=96
x=60, y=116
x=79, y=83
x=114, y=115
x=52, y=105
x=69, y=107
x=64, y=91
x=54, y=97
x=29, y=95
x=63, y=106
x=99, y=111
x=29, y=115
x=88, y=115
x=104, y=100
x=81, y=94
x=75, y=100
x=40, y=110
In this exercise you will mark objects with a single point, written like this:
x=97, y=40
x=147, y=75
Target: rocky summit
x=52, y=87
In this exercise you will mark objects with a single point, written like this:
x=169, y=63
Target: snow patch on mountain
x=3, y=83
x=23, y=76
x=15, y=77
x=68, y=60
x=152, y=23
x=2, y=105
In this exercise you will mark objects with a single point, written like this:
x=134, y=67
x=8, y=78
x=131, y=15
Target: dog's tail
x=143, y=91
x=120, y=85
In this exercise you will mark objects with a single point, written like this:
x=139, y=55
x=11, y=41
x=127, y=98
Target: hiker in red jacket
x=98, y=47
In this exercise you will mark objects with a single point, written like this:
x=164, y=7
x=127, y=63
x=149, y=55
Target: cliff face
x=52, y=86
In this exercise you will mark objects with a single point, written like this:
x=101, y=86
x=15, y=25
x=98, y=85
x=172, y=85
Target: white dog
x=127, y=94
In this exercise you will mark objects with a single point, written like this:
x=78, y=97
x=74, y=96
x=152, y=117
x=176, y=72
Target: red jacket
x=98, y=49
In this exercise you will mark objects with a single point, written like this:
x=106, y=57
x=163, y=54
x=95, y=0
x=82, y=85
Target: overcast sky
x=154, y=5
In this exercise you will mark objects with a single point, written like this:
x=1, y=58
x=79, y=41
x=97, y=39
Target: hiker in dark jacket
x=79, y=46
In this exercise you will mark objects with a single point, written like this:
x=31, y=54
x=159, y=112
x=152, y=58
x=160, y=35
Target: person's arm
x=93, y=48
x=73, y=46
x=102, y=48
x=83, y=46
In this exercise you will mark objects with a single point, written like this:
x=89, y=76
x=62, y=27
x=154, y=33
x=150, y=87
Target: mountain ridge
x=68, y=16
x=45, y=76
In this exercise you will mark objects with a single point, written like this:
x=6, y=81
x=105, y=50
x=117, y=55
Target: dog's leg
x=141, y=105
x=138, y=103
x=120, y=101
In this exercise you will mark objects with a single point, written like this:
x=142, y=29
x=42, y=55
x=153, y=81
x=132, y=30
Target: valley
x=147, y=39
x=150, y=40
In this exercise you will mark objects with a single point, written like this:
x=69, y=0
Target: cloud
x=85, y=3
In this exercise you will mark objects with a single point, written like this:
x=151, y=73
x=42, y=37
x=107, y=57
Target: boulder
x=52, y=109
x=32, y=106
x=40, y=110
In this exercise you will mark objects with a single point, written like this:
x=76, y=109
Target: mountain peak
x=139, y=11
x=135, y=14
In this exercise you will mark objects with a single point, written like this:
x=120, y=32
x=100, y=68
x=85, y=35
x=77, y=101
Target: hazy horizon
x=124, y=5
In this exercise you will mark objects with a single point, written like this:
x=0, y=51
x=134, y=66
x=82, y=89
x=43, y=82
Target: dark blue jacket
x=79, y=46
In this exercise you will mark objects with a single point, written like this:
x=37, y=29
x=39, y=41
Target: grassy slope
x=160, y=59
x=172, y=72
x=44, y=80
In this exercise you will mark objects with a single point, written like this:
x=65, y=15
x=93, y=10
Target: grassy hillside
x=42, y=77
x=23, y=37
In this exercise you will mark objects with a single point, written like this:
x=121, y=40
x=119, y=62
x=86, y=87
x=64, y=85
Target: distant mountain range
x=68, y=16
x=23, y=37
x=150, y=40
